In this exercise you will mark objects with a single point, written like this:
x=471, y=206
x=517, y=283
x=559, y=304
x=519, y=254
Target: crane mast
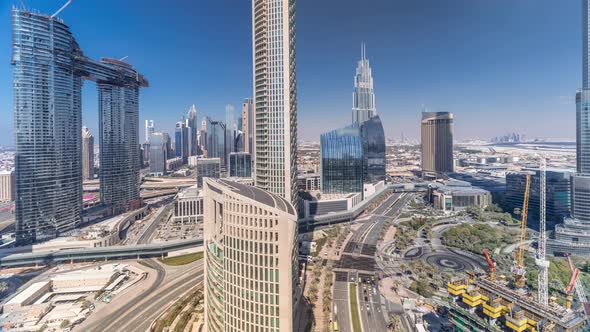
x=541, y=261
x=519, y=269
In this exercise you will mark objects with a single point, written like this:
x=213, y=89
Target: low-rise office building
x=7, y=186
x=208, y=168
x=457, y=195
x=308, y=182
x=188, y=207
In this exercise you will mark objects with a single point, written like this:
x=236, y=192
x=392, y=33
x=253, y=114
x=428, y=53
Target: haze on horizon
x=501, y=66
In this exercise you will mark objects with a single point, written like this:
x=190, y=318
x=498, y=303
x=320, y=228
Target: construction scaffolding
x=509, y=308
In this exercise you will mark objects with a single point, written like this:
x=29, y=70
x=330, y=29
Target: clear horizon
x=482, y=61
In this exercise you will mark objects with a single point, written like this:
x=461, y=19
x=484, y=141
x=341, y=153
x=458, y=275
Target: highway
x=98, y=253
x=140, y=312
x=357, y=264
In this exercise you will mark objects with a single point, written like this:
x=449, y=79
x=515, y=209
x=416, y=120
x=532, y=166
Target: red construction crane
x=491, y=263
x=576, y=284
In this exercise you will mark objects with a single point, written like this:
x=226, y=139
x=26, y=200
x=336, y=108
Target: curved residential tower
x=251, y=263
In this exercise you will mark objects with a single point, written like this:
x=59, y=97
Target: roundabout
x=450, y=261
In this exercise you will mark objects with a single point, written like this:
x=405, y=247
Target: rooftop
x=28, y=292
x=259, y=195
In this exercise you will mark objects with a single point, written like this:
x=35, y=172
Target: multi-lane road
x=139, y=312
x=357, y=264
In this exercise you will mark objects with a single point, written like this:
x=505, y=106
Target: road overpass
x=94, y=254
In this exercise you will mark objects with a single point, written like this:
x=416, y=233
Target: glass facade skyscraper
x=275, y=97
x=558, y=196
x=216, y=146
x=181, y=141
x=363, y=97
x=352, y=156
x=47, y=126
x=342, y=161
x=48, y=70
x=87, y=154
x=191, y=120
x=374, y=149
x=157, y=154
x=118, y=111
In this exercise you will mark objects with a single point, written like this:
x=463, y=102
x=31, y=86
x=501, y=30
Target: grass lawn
x=354, y=309
x=182, y=259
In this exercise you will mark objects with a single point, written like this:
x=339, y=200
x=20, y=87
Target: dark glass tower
x=558, y=196
x=374, y=149
x=240, y=164
x=342, y=161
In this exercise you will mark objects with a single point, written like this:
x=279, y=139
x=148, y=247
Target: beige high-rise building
x=251, y=263
x=248, y=124
x=7, y=186
x=87, y=154
x=275, y=97
x=437, y=143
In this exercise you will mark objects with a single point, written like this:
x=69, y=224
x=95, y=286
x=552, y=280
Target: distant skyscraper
x=251, y=268
x=216, y=141
x=167, y=141
x=248, y=124
x=342, y=161
x=437, y=143
x=157, y=154
x=181, y=141
x=193, y=125
x=275, y=97
x=363, y=97
x=240, y=164
x=149, y=129
x=230, y=129
x=87, y=154
x=203, y=137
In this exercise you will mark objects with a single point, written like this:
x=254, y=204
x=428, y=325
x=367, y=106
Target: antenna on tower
x=363, y=51
x=123, y=58
x=62, y=8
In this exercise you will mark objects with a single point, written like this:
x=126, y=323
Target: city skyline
x=402, y=94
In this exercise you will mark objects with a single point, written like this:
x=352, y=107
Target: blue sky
x=499, y=65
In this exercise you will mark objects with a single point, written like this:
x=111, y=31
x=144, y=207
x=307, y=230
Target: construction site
x=482, y=301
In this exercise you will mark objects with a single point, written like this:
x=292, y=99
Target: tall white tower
x=363, y=97
x=275, y=94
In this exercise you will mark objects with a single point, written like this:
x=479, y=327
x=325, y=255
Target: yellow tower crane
x=519, y=269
